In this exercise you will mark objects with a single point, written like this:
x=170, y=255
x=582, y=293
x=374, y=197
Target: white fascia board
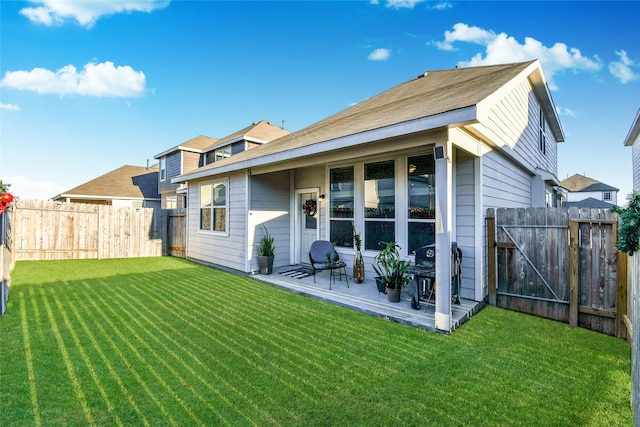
x=634, y=132
x=177, y=148
x=451, y=118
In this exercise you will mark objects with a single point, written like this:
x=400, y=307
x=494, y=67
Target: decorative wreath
x=310, y=207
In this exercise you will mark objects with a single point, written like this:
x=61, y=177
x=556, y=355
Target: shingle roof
x=127, y=181
x=589, y=202
x=430, y=94
x=261, y=131
x=579, y=183
x=197, y=144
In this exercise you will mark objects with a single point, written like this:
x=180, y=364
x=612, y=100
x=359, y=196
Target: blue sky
x=89, y=86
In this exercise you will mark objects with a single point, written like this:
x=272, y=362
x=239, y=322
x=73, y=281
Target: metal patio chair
x=323, y=256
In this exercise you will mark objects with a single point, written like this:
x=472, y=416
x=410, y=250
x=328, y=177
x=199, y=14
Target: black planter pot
x=266, y=264
x=381, y=286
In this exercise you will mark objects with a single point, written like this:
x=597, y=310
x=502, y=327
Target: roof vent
x=423, y=75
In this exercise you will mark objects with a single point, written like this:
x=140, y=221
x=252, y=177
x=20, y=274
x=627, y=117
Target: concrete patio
x=365, y=297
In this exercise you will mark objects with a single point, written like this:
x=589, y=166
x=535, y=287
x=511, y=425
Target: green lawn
x=162, y=341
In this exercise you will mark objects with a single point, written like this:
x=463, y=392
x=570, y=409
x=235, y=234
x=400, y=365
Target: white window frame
x=163, y=168
x=607, y=196
x=213, y=185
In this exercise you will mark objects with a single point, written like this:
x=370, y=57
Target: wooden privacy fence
x=48, y=230
x=560, y=264
x=175, y=227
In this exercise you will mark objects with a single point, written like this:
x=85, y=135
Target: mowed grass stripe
x=261, y=327
x=75, y=383
x=136, y=350
x=88, y=364
x=105, y=361
x=116, y=348
x=227, y=338
x=180, y=340
x=155, y=333
x=33, y=391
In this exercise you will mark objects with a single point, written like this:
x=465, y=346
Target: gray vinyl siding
x=174, y=168
x=237, y=147
x=504, y=184
x=224, y=250
x=636, y=165
x=271, y=192
x=465, y=188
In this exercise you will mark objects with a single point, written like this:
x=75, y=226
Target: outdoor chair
x=323, y=256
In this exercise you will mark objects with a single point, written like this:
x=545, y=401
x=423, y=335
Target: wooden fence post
x=621, y=303
x=573, y=273
x=491, y=255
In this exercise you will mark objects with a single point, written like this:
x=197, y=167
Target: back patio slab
x=364, y=297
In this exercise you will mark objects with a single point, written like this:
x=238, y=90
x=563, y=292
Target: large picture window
x=379, y=204
x=341, y=206
x=421, y=197
x=213, y=207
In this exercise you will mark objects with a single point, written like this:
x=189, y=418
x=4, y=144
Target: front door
x=307, y=224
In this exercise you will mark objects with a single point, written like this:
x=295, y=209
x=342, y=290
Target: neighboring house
x=585, y=192
x=417, y=164
x=175, y=161
x=204, y=150
x=633, y=140
x=133, y=186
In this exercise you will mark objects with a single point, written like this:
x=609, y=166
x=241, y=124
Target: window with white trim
x=214, y=207
x=542, y=139
x=606, y=195
x=163, y=168
x=341, y=199
x=421, y=201
x=379, y=204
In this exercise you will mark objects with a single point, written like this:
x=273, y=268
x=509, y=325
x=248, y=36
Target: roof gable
x=260, y=132
x=579, y=184
x=125, y=182
x=196, y=145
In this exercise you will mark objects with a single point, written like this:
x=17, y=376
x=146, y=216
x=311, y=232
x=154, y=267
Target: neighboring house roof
x=435, y=99
x=126, y=182
x=196, y=145
x=259, y=132
x=589, y=202
x=634, y=132
x=580, y=184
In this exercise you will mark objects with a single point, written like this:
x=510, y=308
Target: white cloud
x=563, y=111
x=103, y=79
x=442, y=6
x=403, y=4
x=622, y=70
x=10, y=107
x=28, y=189
x=379, y=55
x=502, y=48
x=86, y=13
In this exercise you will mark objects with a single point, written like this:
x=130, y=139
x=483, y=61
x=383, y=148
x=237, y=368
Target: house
x=175, y=161
x=585, y=192
x=633, y=140
x=133, y=186
x=417, y=164
x=203, y=150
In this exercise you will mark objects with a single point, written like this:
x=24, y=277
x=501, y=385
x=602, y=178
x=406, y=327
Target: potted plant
x=358, y=260
x=265, y=253
x=391, y=270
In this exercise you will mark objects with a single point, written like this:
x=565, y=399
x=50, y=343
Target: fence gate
x=177, y=232
x=557, y=263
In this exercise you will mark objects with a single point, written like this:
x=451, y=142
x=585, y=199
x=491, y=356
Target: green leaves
x=629, y=230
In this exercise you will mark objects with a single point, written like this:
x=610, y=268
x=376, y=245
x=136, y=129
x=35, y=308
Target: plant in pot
x=265, y=253
x=391, y=270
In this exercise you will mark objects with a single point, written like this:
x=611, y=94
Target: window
x=163, y=168
x=542, y=140
x=341, y=206
x=421, y=197
x=171, y=202
x=606, y=195
x=213, y=207
x=223, y=153
x=379, y=204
